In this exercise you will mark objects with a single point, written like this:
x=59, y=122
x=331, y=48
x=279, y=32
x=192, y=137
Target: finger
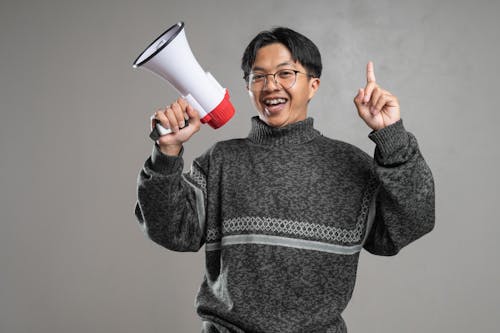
x=382, y=102
x=179, y=114
x=363, y=110
x=368, y=91
x=183, y=103
x=370, y=72
x=194, y=117
x=358, y=99
x=376, y=94
x=172, y=119
x=192, y=113
x=162, y=119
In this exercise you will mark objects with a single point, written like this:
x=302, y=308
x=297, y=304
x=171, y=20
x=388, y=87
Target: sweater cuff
x=164, y=163
x=390, y=139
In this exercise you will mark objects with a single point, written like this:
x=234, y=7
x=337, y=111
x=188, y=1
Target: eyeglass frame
x=274, y=78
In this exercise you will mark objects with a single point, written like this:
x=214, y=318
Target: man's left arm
x=405, y=199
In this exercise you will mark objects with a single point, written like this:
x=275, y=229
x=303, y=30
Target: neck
x=295, y=133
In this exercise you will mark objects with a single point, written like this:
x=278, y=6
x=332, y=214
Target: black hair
x=302, y=49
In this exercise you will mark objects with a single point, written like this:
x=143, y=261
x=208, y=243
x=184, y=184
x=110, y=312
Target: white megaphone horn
x=171, y=58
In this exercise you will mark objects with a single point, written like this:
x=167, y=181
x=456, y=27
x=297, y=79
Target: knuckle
x=169, y=117
x=181, y=101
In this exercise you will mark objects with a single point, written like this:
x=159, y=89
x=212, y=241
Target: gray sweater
x=283, y=215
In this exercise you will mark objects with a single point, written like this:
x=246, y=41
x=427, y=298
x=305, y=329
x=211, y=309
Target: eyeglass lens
x=285, y=78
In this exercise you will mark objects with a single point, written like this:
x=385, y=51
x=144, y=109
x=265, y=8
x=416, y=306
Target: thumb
x=194, y=119
x=358, y=99
x=192, y=113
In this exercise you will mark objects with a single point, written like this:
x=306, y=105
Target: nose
x=270, y=83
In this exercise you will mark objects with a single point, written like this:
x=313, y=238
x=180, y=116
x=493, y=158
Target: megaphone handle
x=159, y=130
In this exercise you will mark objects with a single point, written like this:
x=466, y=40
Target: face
x=277, y=106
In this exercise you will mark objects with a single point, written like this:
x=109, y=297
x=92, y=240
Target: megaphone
x=170, y=57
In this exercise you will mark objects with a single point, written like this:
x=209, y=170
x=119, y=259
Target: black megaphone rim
x=179, y=26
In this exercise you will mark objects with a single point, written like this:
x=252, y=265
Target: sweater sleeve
x=170, y=205
x=405, y=199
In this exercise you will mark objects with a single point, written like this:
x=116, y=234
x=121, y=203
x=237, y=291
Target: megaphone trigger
x=158, y=130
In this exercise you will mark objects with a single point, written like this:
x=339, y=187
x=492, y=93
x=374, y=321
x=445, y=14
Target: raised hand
x=376, y=106
x=173, y=117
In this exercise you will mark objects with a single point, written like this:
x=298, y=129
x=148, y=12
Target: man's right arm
x=170, y=206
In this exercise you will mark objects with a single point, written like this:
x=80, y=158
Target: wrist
x=164, y=163
x=390, y=138
x=171, y=150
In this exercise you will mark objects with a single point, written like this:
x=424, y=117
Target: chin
x=275, y=120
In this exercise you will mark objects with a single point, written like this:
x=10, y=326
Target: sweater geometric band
x=266, y=225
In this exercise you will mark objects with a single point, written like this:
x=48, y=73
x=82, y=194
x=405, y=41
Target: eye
x=286, y=74
x=257, y=77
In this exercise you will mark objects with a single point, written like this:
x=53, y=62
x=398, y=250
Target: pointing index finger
x=370, y=73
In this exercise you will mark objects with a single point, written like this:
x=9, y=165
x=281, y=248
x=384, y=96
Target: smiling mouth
x=274, y=101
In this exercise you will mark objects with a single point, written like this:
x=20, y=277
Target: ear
x=313, y=86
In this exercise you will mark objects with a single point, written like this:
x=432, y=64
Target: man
x=284, y=213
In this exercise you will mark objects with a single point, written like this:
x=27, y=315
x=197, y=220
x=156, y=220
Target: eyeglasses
x=286, y=78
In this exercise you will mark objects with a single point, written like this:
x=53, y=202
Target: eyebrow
x=287, y=63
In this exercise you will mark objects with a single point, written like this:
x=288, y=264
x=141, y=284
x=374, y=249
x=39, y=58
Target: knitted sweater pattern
x=283, y=215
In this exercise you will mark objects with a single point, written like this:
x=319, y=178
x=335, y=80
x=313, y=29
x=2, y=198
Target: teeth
x=275, y=101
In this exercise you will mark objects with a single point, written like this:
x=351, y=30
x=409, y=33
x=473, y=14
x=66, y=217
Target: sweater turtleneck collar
x=296, y=133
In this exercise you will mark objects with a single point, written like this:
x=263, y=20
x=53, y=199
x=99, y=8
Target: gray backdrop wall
x=73, y=136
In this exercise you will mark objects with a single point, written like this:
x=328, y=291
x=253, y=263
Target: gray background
x=73, y=136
